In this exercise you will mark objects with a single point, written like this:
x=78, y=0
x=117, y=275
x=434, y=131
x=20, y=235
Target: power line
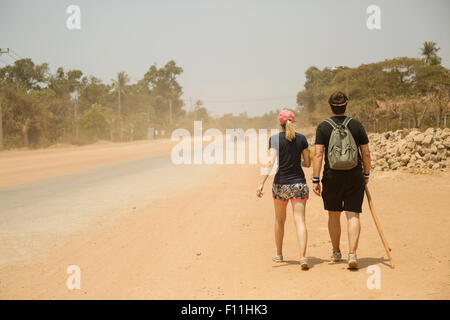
x=16, y=54
x=4, y=51
x=9, y=55
x=246, y=100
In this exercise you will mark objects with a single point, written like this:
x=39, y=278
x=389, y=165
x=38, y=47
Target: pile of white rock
x=411, y=150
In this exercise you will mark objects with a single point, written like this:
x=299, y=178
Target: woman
x=289, y=182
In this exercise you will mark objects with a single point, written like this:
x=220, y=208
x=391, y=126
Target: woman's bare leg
x=300, y=225
x=280, y=219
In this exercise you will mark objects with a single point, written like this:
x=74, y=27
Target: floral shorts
x=295, y=192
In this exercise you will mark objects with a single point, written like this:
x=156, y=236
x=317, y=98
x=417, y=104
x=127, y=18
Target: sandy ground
x=213, y=239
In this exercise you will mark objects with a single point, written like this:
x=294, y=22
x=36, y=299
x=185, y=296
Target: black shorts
x=343, y=190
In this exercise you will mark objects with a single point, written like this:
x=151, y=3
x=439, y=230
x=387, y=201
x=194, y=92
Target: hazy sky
x=237, y=55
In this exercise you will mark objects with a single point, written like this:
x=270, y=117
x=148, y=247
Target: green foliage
x=40, y=108
x=24, y=74
x=95, y=121
x=429, y=51
x=165, y=92
x=379, y=92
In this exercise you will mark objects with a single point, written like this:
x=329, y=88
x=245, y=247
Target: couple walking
x=344, y=143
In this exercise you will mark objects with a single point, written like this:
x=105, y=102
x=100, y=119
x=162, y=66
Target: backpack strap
x=331, y=123
x=346, y=121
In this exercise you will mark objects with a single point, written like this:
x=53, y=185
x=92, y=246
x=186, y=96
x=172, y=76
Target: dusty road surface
x=140, y=227
x=24, y=166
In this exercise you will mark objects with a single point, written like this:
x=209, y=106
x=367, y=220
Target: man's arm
x=365, y=154
x=306, y=163
x=317, y=166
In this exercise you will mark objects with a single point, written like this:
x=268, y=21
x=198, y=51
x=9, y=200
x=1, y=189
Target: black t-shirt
x=289, y=154
x=323, y=134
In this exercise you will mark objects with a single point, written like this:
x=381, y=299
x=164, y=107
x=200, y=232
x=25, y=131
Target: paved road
x=64, y=204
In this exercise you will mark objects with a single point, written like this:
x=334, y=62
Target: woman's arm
x=306, y=162
x=266, y=170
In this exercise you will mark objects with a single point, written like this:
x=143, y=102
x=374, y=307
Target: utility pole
x=1, y=125
x=346, y=85
x=170, y=111
x=76, y=118
x=119, y=102
x=2, y=51
x=119, y=88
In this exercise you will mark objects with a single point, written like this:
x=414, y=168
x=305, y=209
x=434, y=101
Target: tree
x=25, y=106
x=416, y=110
x=25, y=74
x=200, y=112
x=95, y=121
x=65, y=106
x=441, y=98
x=91, y=90
x=137, y=125
x=40, y=108
x=382, y=92
x=434, y=83
x=306, y=99
x=119, y=85
x=162, y=85
x=429, y=50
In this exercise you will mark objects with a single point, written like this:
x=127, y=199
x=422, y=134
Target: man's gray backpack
x=342, y=149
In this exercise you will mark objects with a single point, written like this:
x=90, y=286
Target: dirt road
x=205, y=235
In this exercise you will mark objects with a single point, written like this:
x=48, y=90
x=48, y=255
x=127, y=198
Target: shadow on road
x=365, y=262
x=362, y=262
x=312, y=261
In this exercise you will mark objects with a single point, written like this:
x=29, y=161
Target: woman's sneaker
x=304, y=263
x=336, y=256
x=352, y=261
x=277, y=258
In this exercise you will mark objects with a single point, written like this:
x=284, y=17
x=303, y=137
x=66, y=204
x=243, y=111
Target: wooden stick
x=377, y=223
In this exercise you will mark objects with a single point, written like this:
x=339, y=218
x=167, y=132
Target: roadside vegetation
x=41, y=108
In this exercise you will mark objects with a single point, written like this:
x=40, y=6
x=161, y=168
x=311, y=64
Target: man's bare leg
x=334, y=229
x=354, y=229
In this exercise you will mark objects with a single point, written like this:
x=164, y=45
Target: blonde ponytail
x=290, y=131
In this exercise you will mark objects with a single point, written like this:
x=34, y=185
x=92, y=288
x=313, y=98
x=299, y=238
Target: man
x=343, y=190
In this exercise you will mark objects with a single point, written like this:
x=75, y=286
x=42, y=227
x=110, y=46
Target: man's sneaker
x=304, y=263
x=352, y=262
x=336, y=256
x=277, y=258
